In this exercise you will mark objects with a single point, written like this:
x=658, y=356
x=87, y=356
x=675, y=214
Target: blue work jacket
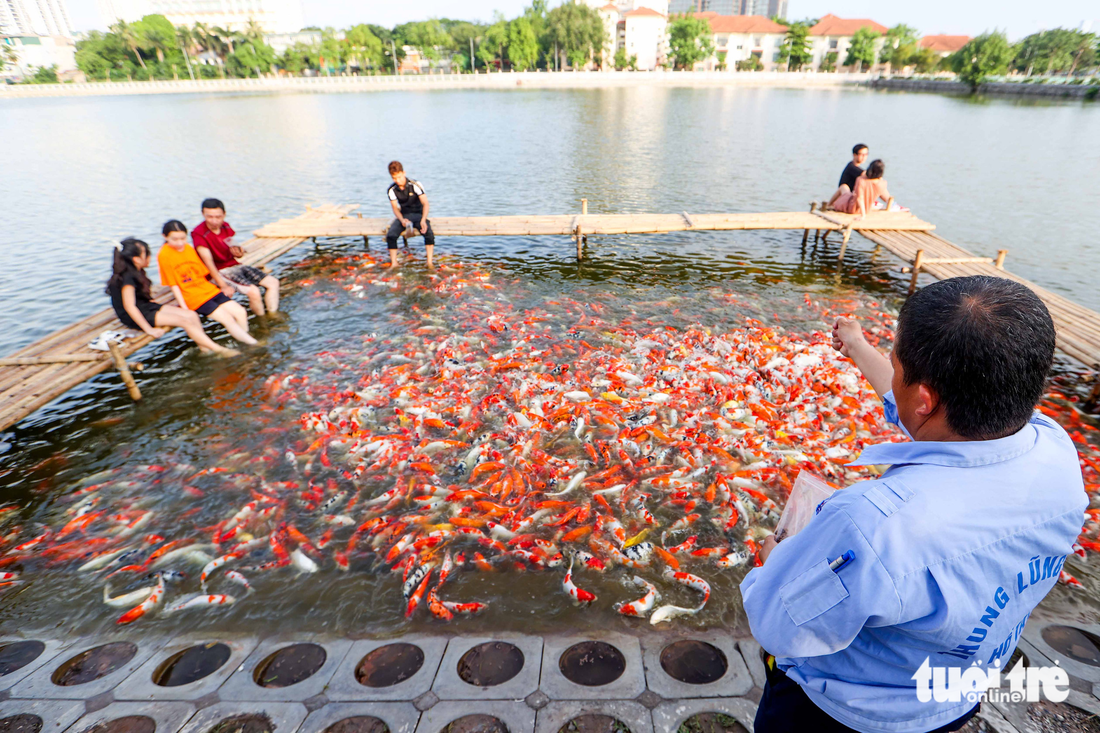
x=954, y=545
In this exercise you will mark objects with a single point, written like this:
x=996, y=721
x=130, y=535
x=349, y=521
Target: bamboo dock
x=37, y=374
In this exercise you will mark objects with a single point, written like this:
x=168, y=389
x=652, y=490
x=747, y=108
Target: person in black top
x=410, y=206
x=131, y=297
x=852, y=171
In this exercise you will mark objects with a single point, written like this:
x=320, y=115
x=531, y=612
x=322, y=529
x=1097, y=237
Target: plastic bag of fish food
x=809, y=493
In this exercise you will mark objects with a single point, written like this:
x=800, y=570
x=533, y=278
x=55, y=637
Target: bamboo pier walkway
x=45, y=370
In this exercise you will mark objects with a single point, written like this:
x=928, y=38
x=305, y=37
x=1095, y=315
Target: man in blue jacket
x=942, y=558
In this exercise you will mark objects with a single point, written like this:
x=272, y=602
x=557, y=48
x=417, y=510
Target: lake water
x=82, y=173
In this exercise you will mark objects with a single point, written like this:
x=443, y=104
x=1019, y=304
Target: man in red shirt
x=214, y=242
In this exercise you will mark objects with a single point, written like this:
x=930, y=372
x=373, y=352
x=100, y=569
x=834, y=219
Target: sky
x=964, y=17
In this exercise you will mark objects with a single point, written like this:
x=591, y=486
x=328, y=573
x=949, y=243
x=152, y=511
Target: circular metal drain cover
x=594, y=723
x=191, y=665
x=289, y=666
x=129, y=724
x=1081, y=646
x=360, y=724
x=592, y=663
x=19, y=654
x=491, y=663
x=23, y=723
x=94, y=663
x=476, y=724
x=713, y=723
x=389, y=665
x=694, y=662
x=245, y=724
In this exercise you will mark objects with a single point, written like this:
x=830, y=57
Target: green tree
x=796, y=46
x=523, y=44
x=752, y=63
x=493, y=43
x=8, y=55
x=45, y=75
x=862, y=49
x=900, y=46
x=363, y=46
x=250, y=59
x=92, y=64
x=130, y=37
x=330, y=52
x=577, y=30
x=828, y=61
x=1056, y=51
x=925, y=61
x=621, y=61
x=426, y=36
x=690, y=40
x=987, y=55
x=156, y=33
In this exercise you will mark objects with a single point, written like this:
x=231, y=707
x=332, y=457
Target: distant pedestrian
x=183, y=271
x=869, y=189
x=851, y=172
x=410, y=205
x=213, y=240
x=131, y=297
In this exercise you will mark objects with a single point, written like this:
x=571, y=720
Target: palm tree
x=130, y=37
x=186, y=39
x=226, y=37
x=8, y=56
x=253, y=32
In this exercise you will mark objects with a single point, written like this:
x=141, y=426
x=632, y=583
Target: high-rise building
x=722, y=7
x=35, y=18
x=274, y=16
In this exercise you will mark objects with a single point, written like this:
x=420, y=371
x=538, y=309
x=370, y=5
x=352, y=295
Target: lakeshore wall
x=500, y=81
x=1078, y=91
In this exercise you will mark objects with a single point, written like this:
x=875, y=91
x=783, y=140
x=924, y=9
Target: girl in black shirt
x=131, y=297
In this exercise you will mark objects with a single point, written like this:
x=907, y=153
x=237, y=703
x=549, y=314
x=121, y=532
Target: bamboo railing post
x=1000, y=263
x=916, y=271
x=806, y=232
x=580, y=241
x=584, y=206
x=366, y=241
x=847, y=236
x=124, y=371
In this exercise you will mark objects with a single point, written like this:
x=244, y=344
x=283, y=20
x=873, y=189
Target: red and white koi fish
x=147, y=605
x=201, y=602
x=577, y=594
x=644, y=604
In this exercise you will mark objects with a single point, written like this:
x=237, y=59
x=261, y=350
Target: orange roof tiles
x=944, y=44
x=831, y=25
x=612, y=7
x=642, y=12
x=741, y=23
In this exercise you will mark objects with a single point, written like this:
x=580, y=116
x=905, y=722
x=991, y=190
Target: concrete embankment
x=521, y=80
x=941, y=86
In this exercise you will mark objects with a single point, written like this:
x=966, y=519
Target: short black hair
x=859, y=147
x=213, y=204
x=984, y=344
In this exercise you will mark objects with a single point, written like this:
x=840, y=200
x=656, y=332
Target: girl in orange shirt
x=183, y=271
x=870, y=187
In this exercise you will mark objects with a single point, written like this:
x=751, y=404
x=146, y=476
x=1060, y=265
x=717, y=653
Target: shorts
x=212, y=305
x=148, y=309
x=397, y=229
x=244, y=275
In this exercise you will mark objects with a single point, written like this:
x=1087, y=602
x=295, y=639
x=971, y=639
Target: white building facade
x=638, y=27
x=834, y=35
x=35, y=18
x=35, y=52
x=274, y=16
x=741, y=37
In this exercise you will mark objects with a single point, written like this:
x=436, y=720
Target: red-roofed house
x=944, y=45
x=638, y=27
x=834, y=35
x=737, y=37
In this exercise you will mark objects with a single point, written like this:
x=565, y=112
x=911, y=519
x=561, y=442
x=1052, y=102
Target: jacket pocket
x=812, y=593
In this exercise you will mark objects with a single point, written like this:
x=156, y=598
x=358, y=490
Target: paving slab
x=399, y=717
x=39, y=684
x=286, y=717
x=736, y=681
x=449, y=686
x=1033, y=633
x=52, y=647
x=634, y=715
x=345, y=687
x=515, y=715
x=557, y=686
x=56, y=715
x=140, y=685
x=241, y=685
x=669, y=716
x=169, y=717
x=750, y=652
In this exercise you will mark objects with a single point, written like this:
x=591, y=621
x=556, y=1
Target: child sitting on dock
x=183, y=271
x=410, y=205
x=131, y=297
x=870, y=187
x=213, y=240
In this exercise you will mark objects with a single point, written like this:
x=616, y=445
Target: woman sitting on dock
x=870, y=187
x=183, y=271
x=129, y=288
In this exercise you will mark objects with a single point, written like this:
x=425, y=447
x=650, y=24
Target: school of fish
x=484, y=437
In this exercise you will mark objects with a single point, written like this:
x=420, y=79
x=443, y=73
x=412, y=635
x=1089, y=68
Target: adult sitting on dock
x=183, y=271
x=131, y=297
x=940, y=561
x=410, y=205
x=851, y=172
x=869, y=189
x=213, y=240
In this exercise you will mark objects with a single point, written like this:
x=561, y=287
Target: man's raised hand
x=846, y=333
